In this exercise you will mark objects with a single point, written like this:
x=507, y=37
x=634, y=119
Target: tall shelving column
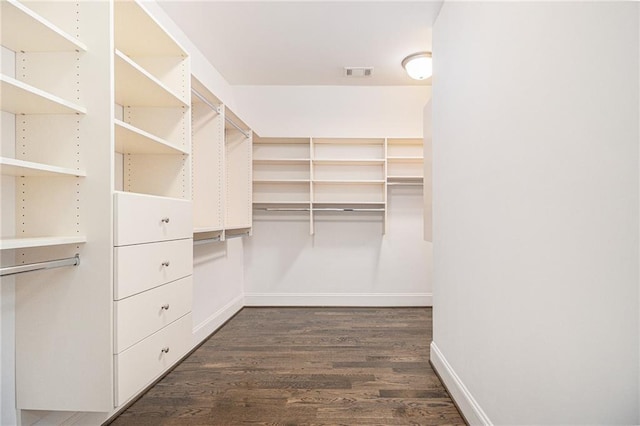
x=207, y=163
x=153, y=217
x=238, y=176
x=56, y=97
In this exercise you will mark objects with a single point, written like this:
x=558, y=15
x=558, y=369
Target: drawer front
x=141, y=315
x=142, y=267
x=142, y=363
x=145, y=219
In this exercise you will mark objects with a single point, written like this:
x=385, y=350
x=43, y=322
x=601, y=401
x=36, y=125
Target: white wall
x=348, y=261
x=535, y=139
x=333, y=111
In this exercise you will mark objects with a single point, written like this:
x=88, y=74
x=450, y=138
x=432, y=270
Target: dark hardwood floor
x=305, y=366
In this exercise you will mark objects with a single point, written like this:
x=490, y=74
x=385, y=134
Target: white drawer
x=147, y=218
x=144, y=266
x=143, y=314
x=142, y=363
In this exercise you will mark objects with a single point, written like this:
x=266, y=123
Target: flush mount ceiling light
x=418, y=65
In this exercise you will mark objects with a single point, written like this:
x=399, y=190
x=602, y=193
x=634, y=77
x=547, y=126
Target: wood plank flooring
x=305, y=366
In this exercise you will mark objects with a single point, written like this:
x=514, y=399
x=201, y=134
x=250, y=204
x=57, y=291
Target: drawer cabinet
x=143, y=314
x=143, y=362
x=144, y=266
x=147, y=218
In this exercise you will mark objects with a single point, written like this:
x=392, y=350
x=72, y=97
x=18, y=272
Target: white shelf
x=22, y=243
x=281, y=161
x=356, y=162
x=237, y=227
x=25, y=31
x=352, y=181
x=297, y=203
x=403, y=178
x=281, y=180
x=206, y=229
x=135, y=86
x=13, y=167
x=132, y=140
x=405, y=159
x=138, y=34
x=20, y=98
x=349, y=203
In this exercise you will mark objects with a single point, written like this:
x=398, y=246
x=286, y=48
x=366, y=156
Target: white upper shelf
x=21, y=243
x=14, y=167
x=132, y=140
x=20, y=98
x=23, y=30
x=138, y=34
x=135, y=86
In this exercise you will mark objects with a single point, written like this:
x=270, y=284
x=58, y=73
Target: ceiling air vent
x=358, y=71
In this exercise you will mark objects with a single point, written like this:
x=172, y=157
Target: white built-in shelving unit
x=153, y=239
x=319, y=176
x=56, y=200
x=221, y=169
x=96, y=161
x=405, y=158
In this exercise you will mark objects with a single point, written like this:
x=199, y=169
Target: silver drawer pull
x=165, y=263
x=165, y=220
x=165, y=307
x=165, y=350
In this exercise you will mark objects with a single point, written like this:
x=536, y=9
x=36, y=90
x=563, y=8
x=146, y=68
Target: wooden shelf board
x=21, y=243
x=138, y=34
x=20, y=98
x=132, y=140
x=137, y=87
x=23, y=30
x=14, y=167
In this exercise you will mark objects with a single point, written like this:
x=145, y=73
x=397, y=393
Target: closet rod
x=332, y=209
x=404, y=183
x=19, y=269
x=282, y=209
x=217, y=109
x=228, y=237
x=318, y=209
x=240, y=129
x=205, y=101
x=206, y=241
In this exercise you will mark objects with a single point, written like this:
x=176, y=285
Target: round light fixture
x=418, y=65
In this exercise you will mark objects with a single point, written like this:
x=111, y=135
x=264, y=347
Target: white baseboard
x=471, y=410
x=216, y=320
x=338, y=299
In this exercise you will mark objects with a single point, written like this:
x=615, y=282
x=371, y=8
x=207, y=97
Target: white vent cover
x=358, y=71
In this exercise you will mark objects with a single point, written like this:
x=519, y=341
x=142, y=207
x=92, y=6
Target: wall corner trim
x=471, y=410
x=217, y=320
